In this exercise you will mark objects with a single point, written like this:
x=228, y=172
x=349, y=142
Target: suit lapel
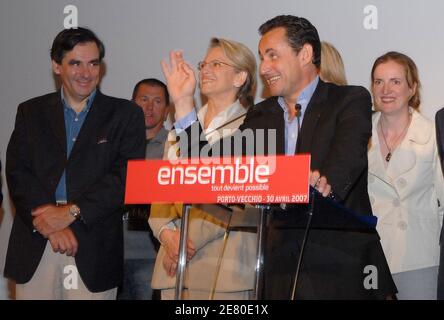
x=439, y=123
x=56, y=119
x=311, y=118
x=268, y=115
x=402, y=161
x=403, y=158
x=419, y=133
x=275, y=120
x=90, y=125
x=375, y=162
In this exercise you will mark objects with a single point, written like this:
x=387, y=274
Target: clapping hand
x=320, y=183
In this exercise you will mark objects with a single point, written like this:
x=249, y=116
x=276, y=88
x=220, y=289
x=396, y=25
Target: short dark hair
x=67, y=39
x=299, y=31
x=154, y=83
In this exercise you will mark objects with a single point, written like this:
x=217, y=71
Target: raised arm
x=181, y=82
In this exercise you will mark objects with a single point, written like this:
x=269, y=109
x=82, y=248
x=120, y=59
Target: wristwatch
x=74, y=210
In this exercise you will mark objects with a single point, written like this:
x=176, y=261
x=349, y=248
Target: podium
x=240, y=218
x=329, y=261
x=305, y=251
x=313, y=251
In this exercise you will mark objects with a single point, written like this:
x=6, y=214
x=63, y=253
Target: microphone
x=298, y=115
x=298, y=109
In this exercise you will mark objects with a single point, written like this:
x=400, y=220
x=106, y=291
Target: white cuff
x=170, y=226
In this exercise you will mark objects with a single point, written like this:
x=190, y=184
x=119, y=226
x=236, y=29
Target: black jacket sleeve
x=346, y=159
x=1, y=195
x=103, y=198
x=26, y=190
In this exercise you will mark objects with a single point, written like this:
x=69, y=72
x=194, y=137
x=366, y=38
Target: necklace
x=389, y=154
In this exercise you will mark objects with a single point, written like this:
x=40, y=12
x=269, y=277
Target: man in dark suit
x=66, y=168
x=439, y=122
x=336, y=127
x=333, y=124
x=1, y=194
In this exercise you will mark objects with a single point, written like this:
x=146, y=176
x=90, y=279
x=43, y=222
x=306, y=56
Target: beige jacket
x=236, y=272
x=405, y=196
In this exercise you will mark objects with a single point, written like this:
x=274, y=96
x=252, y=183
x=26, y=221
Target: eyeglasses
x=214, y=64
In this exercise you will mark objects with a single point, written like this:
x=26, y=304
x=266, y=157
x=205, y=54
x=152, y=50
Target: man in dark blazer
x=333, y=124
x=439, y=122
x=1, y=194
x=66, y=169
x=335, y=130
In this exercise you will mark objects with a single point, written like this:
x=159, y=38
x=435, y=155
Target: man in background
x=151, y=95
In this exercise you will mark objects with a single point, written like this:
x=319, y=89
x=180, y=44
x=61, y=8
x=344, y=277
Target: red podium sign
x=273, y=179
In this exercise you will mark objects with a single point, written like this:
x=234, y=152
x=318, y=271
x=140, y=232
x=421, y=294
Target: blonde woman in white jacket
x=405, y=180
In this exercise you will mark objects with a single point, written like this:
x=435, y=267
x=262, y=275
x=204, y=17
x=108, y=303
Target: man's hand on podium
x=320, y=183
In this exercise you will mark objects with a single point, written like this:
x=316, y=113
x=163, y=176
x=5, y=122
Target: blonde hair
x=332, y=66
x=242, y=59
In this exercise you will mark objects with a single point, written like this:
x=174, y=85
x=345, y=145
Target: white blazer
x=406, y=196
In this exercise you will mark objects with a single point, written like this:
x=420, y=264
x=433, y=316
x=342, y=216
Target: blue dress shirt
x=73, y=124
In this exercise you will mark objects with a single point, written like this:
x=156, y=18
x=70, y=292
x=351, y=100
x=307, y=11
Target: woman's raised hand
x=181, y=82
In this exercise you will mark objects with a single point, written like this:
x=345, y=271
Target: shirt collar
x=89, y=100
x=233, y=111
x=304, y=98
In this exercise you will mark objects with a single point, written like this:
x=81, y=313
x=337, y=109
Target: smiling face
x=281, y=66
x=391, y=91
x=79, y=72
x=218, y=79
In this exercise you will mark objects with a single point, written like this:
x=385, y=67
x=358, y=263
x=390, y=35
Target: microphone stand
x=264, y=209
x=180, y=275
x=310, y=215
x=304, y=242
